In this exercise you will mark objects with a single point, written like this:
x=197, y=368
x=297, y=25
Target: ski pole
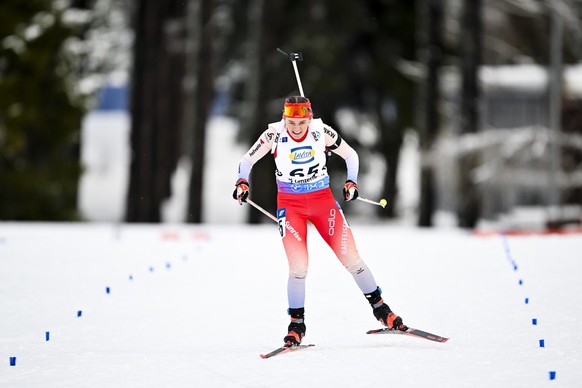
x=382, y=202
x=282, y=224
x=293, y=57
x=261, y=210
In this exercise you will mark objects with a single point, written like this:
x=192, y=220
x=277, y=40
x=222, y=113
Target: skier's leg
x=295, y=244
x=334, y=229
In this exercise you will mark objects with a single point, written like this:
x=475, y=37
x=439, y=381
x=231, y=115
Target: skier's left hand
x=350, y=190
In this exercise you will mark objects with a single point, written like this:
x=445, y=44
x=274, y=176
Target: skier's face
x=297, y=126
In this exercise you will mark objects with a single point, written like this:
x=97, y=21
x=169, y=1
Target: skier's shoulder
x=277, y=126
x=330, y=135
x=316, y=125
x=269, y=134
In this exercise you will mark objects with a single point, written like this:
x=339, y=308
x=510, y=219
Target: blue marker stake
x=534, y=321
x=526, y=300
x=47, y=335
x=552, y=375
x=542, y=343
x=12, y=361
x=107, y=290
x=520, y=282
x=79, y=313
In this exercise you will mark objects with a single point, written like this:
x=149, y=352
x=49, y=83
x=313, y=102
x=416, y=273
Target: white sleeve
x=352, y=160
x=340, y=147
x=244, y=168
x=259, y=149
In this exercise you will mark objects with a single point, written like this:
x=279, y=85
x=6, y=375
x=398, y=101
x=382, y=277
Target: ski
x=285, y=349
x=411, y=332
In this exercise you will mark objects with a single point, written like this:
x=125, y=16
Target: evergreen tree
x=40, y=117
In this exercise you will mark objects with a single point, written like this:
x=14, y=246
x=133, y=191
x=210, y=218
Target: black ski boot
x=383, y=313
x=296, y=327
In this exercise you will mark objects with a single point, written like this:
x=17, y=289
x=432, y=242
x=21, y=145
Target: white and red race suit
x=304, y=195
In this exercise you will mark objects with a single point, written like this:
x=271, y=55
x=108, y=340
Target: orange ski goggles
x=298, y=110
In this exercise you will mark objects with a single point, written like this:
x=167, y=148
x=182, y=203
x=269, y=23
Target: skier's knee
x=298, y=273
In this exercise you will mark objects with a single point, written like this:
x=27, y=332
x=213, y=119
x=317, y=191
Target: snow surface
x=195, y=305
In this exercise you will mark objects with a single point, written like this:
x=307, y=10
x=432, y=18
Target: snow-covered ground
x=177, y=305
x=194, y=306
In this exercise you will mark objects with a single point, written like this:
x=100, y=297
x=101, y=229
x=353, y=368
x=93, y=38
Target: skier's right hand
x=241, y=193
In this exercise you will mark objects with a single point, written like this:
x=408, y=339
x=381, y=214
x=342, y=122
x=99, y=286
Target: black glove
x=350, y=190
x=241, y=193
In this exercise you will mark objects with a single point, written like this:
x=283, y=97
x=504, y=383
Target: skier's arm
x=340, y=147
x=259, y=149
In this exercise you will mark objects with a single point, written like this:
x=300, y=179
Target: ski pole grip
x=292, y=56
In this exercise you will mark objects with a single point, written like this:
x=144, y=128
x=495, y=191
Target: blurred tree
x=157, y=105
x=392, y=40
x=201, y=65
x=40, y=113
x=262, y=19
x=468, y=209
x=172, y=94
x=430, y=47
x=518, y=31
